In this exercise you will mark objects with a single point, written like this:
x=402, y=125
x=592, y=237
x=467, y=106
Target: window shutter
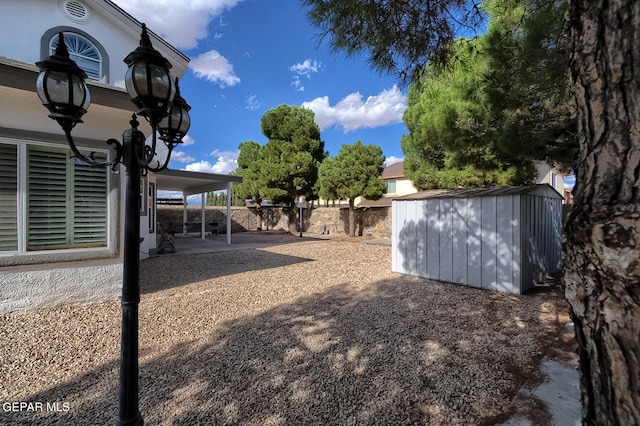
x=90, y=205
x=8, y=197
x=47, y=199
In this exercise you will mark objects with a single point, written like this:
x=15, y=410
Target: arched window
x=83, y=52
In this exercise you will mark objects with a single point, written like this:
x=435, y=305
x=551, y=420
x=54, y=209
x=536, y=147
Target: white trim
x=203, y=209
x=22, y=199
x=229, y=192
x=79, y=57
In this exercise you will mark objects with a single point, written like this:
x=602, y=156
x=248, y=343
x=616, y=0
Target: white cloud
x=225, y=164
x=200, y=166
x=306, y=68
x=181, y=157
x=353, y=112
x=218, y=153
x=252, y=103
x=187, y=140
x=392, y=160
x=181, y=23
x=169, y=194
x=194, y=200
x=227, y=160
x=297, y=83
x=569, y=181
x=214, y=67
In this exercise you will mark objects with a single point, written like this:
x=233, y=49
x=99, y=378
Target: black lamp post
x=60, y=86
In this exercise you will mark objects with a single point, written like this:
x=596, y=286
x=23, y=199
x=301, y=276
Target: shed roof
x=542, y=189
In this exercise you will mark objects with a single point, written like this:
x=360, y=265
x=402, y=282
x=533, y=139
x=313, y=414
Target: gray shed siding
x=504, y=239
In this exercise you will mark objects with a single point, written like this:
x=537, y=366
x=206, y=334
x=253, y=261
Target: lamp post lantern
x=61, y=88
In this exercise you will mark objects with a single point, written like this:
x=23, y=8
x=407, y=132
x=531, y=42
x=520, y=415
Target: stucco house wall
x=28, y=277
x=551, y=176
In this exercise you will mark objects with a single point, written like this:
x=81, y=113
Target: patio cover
x=190, y=183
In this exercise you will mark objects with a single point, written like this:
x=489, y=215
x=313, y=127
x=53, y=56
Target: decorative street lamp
x=61, y=88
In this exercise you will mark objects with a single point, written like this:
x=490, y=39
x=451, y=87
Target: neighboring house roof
x=382, y=202
x=539, y=189
x=394, y=171
x=391, y=172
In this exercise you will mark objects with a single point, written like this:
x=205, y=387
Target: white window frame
x=74, y=55
x=22, y=200
x=395, y=185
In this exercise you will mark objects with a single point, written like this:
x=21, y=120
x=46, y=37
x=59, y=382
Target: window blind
x=90, y=205
x=8, y=197
x=47, y=199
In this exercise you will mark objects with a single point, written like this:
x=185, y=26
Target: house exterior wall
x=119, y=35
x=24, y=43
x=404, y=186
x=550, y=176
x=505, y=243
x=44, y=285
x=31, y=279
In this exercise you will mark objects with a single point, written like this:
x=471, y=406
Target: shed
x=499, y=238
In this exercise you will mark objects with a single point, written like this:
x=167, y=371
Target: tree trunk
x=602, y=255
x=352, y=218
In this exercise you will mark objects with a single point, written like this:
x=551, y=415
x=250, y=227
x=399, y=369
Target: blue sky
x=250, y=56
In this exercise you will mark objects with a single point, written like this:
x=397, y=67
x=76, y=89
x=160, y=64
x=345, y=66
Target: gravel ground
x=304, y=333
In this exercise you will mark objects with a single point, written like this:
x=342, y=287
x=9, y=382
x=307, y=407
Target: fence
x=372, y=222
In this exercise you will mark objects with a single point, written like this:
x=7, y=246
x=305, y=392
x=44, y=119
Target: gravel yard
x=313, y=332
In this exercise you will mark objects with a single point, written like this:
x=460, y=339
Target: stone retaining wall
x=170, y=218
x=374, y=222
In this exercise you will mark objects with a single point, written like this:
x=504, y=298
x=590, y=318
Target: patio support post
x=184, y=214
x=203, y=215
x=229, y=192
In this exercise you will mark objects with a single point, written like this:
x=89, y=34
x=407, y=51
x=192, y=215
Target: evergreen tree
x=527, y=81
x=287, y=165
x=450, y=142
x=354, y=172
x=503, y=101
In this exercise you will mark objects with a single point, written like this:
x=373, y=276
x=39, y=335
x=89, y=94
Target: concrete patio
x=194, y=243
